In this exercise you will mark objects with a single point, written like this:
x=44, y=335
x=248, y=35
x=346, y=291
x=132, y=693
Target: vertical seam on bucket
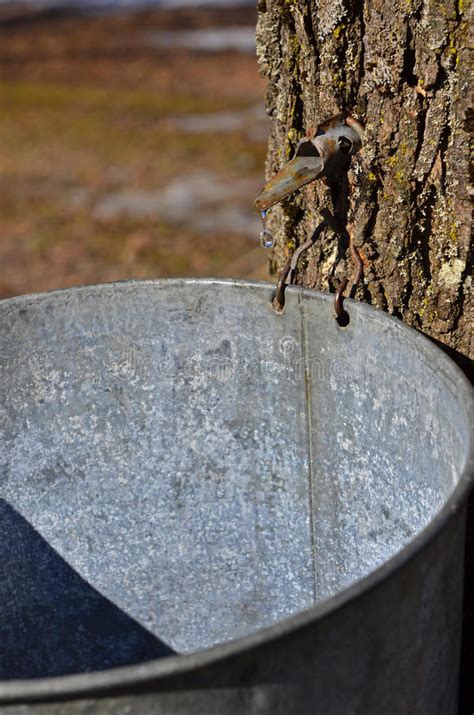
x=309, y=413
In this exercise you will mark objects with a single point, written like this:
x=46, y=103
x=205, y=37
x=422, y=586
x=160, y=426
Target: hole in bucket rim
x=343, y=320
x=276, y=305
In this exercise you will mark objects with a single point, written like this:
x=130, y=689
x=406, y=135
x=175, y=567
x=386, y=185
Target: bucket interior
x=181, y=466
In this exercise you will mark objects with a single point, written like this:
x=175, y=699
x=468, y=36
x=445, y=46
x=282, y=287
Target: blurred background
x=132, y=142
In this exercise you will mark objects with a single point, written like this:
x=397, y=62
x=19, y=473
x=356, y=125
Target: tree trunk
x=401, y=68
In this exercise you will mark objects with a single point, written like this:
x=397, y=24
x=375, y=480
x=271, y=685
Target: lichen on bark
x=401, y=68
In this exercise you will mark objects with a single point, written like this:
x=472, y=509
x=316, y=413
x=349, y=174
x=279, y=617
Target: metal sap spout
x=325, y=152
x=298, y=172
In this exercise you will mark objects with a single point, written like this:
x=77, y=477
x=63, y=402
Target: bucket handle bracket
x=288, y=272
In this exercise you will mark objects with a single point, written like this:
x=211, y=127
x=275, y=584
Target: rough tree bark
x=399, y=66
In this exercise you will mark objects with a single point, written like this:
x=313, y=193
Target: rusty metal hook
x=288, y=273
x=341, y=314
x=278, y=301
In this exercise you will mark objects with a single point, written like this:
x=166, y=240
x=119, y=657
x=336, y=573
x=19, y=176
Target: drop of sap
x=266, y=238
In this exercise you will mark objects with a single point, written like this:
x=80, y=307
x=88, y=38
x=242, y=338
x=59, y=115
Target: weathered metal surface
x=182, y=467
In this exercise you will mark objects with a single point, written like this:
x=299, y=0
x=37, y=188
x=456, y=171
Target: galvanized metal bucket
x=211, y=508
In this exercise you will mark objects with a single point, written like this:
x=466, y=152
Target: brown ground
x=91, y=138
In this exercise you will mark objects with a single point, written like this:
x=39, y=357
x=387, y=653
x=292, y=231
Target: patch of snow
x=205, y=202
x=218, y=39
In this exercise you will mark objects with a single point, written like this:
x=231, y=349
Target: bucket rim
x=119, y=680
